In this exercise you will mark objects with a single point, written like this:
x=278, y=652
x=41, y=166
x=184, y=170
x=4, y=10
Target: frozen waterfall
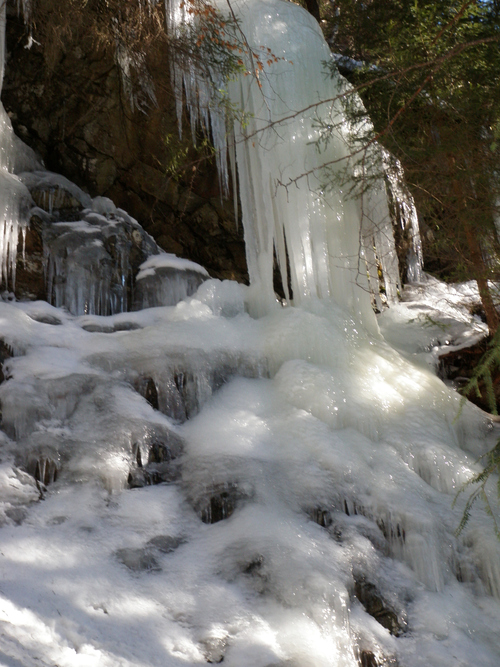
x=296, y=156
x=184, y=482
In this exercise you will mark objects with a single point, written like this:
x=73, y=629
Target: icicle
x=127, y=61
x=14, y=207
x=201, y=87
x=15, y=199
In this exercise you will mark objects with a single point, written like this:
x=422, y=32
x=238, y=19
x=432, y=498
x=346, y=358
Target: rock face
x=75, y=113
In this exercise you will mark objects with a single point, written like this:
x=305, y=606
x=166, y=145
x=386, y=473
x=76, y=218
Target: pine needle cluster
x=482, y=380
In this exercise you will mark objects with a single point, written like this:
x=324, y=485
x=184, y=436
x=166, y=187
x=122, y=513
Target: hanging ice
x=15, y=202
x=323, y=238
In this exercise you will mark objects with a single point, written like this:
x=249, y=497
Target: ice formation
x=296, y=153
x=271, y=491
x=164, y=280
x=98, y=260
x=15, y=156
x=406, y=212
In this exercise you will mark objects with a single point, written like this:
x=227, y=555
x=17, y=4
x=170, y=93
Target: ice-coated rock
x=164, y=280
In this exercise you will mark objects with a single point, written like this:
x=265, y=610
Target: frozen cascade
x=272, y=491
x=288, y=204
x=345, y=433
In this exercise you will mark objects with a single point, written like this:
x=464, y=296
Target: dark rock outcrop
x=74, y=112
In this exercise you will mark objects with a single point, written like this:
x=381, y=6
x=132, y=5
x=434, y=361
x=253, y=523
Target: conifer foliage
x=428, y=75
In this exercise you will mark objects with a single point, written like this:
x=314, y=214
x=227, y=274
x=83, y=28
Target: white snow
x=433, y=318
x=344, y=424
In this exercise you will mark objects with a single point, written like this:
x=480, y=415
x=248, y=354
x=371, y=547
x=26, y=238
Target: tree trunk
x=481, y=272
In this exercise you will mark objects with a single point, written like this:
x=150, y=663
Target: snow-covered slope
x=301, y=514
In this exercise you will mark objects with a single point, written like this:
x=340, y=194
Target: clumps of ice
x=165, y=279
x=15, y=156
x=18, y=489
x=90, y=262
x=225, y=298
x=166, y=260
x=93, y=251
x=95, y=254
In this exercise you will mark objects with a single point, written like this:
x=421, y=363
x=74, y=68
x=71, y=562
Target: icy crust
x=77, y=369
x=91, y=267
x=329, y=469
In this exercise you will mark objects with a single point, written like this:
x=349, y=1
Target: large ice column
x=289, y=199
x=294, y=205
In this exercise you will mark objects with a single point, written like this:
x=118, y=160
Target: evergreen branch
x=481, y=479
